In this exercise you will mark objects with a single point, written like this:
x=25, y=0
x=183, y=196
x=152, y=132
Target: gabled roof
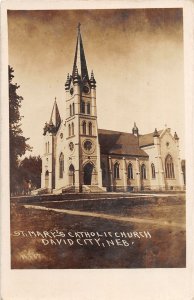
x=147, y=139
x=119, y=143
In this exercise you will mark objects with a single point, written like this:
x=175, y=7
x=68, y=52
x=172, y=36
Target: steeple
x=80, y=60
x=55, y=120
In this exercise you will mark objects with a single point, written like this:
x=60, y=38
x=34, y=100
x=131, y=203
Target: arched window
x=47, y=179
x=84, y=127
x=83, y=107
x=88, y=108
x=116, y=170
x=61, y=165
x=169, y=167
x=153, y=171
x=130, y=171
x=73, y=109
x=90, y=128
x=69, y=129
x=70, y=110
x=72, y=128
x=71, y=175
x=143, y=171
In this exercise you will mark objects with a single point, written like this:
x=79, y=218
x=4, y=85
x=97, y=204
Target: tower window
x=61, y=165
x=69, y=128
x=72, y=128
x=130, y=171
x=143, y=172
x=48, y=147
x=83, y=107
x=70, y=110
x=84, y=127
x=90, y=128
x=153, y=171
x=116, y=170
x=88, y=108
x=169, y=167
x=73, y=109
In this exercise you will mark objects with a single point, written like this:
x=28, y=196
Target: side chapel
x=79, y=157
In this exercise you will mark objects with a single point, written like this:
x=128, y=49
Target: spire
x=55, y=119
x=135, y=130
x=79, y=59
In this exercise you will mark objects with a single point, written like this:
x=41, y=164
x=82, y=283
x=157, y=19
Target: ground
x=98, y=231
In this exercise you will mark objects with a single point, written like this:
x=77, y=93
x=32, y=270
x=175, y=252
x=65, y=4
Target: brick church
x=80, y=157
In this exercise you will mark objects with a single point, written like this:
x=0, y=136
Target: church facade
x=79, y=157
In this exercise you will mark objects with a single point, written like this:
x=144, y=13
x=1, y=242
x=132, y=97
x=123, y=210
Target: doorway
x=88, y=169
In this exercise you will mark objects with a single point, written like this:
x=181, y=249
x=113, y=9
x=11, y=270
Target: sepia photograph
x=96, y=133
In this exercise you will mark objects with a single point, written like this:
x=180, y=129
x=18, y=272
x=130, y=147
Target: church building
x=80, y=157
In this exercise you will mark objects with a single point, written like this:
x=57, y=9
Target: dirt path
x=109, y=217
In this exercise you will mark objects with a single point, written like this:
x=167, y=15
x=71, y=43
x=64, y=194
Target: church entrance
x=46, y=179
x=88, y=169
x=71, y=175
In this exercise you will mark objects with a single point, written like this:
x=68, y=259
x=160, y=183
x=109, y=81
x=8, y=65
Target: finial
x=156, y=133
x=92, y=80
x=176, y=136
x=135, y=129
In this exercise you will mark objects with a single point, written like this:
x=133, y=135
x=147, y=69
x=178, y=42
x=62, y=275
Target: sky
x=136, y=56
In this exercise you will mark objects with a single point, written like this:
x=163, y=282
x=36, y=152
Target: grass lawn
x=123, y=232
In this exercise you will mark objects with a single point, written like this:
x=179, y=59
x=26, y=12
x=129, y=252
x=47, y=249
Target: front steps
x=85, y=189
x=70, y=189
x=93, y=189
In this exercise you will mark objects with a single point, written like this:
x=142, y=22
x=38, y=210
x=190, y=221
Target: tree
x=18, y=145
x=30, y=170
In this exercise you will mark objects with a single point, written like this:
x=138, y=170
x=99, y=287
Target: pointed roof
x=79, y=59
x=55, y=118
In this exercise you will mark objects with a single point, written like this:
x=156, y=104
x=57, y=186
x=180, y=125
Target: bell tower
x=81, y=124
